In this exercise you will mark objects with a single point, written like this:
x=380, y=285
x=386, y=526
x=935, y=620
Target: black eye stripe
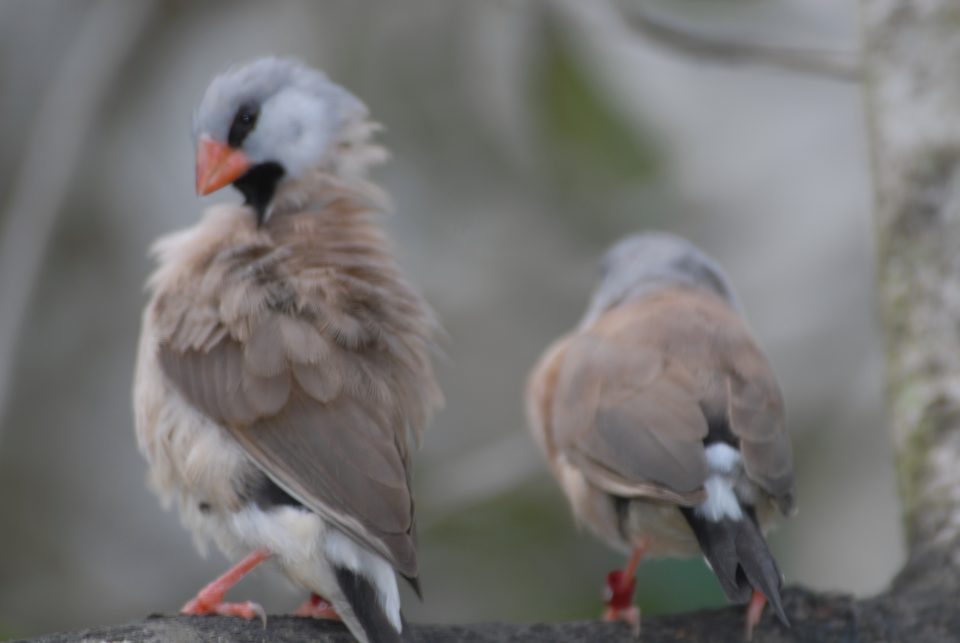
x=243, y=123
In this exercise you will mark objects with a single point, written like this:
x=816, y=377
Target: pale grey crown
x=300, y=112
x=645, y=263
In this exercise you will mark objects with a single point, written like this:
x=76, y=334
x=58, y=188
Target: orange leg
x=317, y=607
x=618, y=594
x=754, y=611
x=209, y=600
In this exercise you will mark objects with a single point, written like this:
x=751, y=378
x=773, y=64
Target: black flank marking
x=266, y=494
x=718, y=430
x=365, y=603
x=621, y=506
x=258, y=186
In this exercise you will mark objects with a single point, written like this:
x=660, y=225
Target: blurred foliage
x=589, y=144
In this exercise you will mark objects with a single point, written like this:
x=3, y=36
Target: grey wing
x=348, y=467
x=630, y=420
x=337, y=448
x=757, y=418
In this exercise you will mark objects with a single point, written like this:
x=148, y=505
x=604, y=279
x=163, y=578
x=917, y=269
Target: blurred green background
x=526, y=136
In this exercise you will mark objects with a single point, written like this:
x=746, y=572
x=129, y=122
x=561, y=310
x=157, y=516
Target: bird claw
x=317, y=607
x=754, y=612
x=618, y=595
x=209, y=600
x=248, y=610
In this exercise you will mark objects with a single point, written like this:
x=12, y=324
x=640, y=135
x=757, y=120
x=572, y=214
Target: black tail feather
x=739, y=557
x=414, y=582
x=365, y=603
x=760, y=567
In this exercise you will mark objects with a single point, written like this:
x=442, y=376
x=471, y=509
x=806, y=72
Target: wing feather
x=756, y=416
x=634, y=392
x=339, y=457
x=627, y=418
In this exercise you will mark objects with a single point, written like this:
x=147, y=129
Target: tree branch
x=832, y=65
x=920, y=608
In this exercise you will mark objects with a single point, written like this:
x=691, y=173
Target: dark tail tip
x=740, y=558
x=773, y=597
x=365, y=603
x=759, y=566
x=414, y=582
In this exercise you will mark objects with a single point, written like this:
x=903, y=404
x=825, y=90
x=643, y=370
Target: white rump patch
x=344, y=552
x=722, y=458
x=721, y=501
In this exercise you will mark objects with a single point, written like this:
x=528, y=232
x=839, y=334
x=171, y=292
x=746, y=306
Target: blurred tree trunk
x=913, y=103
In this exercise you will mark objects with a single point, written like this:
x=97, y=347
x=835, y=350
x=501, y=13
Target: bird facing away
x=283, y=366
x=664, y=424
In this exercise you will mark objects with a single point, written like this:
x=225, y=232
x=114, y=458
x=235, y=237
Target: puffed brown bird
x=664, y=424
x=283, y=366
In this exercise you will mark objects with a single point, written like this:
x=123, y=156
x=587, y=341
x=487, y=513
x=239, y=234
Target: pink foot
x=248, y=610
x=754, y=612
x=209, y=600
x=317, y=607
x=618, y=593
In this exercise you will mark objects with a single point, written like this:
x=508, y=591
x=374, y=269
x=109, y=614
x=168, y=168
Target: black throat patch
x=259, y=184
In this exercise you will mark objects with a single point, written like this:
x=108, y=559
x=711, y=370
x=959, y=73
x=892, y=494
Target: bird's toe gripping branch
x=618, y=593
x=317, y=607
x=618, y=597
x=209, y=600
x=248, y=609
x=754, y=612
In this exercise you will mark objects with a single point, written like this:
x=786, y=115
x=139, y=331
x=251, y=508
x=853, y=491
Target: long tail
x=739, y=556
x=366, y=607
x=368, y=599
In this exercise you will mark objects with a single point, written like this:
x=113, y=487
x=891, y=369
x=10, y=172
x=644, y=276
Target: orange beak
x=218, y=165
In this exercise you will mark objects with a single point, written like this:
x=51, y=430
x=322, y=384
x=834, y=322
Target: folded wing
x=320, y=399
x=636, y=397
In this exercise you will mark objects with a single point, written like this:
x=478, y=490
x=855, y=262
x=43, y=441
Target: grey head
x=283, y=118
x=641, y=264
